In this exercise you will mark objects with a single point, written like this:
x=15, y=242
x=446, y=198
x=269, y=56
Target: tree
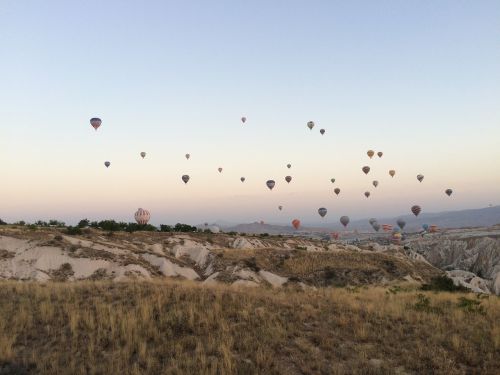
x=2, y=222
x=84, y=223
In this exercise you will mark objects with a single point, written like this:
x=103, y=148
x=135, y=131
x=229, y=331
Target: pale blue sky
x=419, y=80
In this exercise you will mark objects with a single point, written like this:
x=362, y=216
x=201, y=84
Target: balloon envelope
x=243, y=119
x=448, y=192
x=336, y=191
x=344, y=220
x=380, y=153
x=280, y=208
x=142, y=216
x=296, y=223
x=375, y=183
x=288, y=179
x=143, y=154
x=185, y=178
x=416, y=210
x=372, y=221
x=401, y=223
x=270, y=184
x=220, y=170
x=289, y=166
x=95, y=122
x=370, y=153
x=242, y=179
x=310, y=124
x=376, y=226
x=366, y=169
x=392, y=172
x=322, y=131
x=420, y=177
x=107, y=164
x=322, y=211
x=367, y=194
x=332, y=180
x=187, y=156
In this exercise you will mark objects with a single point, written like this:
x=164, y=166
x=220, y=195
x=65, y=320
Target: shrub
x=471, y=306
x=444, y=284
x=72, y=231
x=2, y=222
x=184, y=228
x=166, y=228
x=84, y=223
x=424, y=304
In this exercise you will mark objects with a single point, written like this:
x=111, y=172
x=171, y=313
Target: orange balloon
x=296, y=223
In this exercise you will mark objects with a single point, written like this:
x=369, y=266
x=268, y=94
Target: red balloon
x=296, y=223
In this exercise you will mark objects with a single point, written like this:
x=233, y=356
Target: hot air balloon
x=243, y=119
x=322, y=211
x=322, y=131
x=376, y=226
x=332, y=180
x=372, y=221
x=185, y=178
x=367, y=194
x=433, y=228
x=142, y=216
x=344, y=220
x=280, y=208
x=420, y=177
x=380, y=153
x=288, y=179
x=107, y=164
x=416, y=210
x=95, y=122
x=375, y=183
x=219, y=169
x=370, y=153
x=387, y=227
x=392, y=172
x=270, y=184
x=187, y=156
x=448, y=192
x=310, y=124
x=143, y=154
x=401, y=223
x=336, y=191
x=425, y=227
x=296, y=223
x=242, y=179
x=289, y=166
x=366, y=169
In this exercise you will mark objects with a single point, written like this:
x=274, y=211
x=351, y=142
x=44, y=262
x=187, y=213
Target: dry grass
x=180, y=327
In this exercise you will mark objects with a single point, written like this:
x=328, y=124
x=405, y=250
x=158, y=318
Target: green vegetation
x=443, y=284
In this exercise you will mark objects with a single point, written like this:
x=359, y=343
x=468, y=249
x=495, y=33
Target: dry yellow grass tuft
x=180, y=327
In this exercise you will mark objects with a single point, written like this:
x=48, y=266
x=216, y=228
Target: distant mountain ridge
x=479, y=217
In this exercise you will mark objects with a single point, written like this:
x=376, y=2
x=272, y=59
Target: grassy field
x=182, y=328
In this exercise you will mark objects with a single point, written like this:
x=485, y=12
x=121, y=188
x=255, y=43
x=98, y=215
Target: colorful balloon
x=370, y=153
x=344, y=220
x=336, y=191
x=366, y=169
x=387, y=227
x=107, y=164
x=420, y=177
x=448, y=192
x=95, y=122
x=416, y=210
x=185, y=178
x=392, y=172
x=142, y=216
x=375, y=183
x=288, y=179
x=310, y=124
x=296, y=223
x=425, y=226
x=322, y=211
x=270, y=184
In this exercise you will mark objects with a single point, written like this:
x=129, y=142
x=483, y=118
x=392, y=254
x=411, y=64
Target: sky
x=418, y=80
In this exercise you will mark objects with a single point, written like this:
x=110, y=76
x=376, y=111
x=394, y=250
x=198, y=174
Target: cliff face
x=472, y=250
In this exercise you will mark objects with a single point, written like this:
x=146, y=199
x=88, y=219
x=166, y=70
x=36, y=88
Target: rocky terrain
x=472, y=258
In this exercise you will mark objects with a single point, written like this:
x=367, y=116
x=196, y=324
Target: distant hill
x=480, y=217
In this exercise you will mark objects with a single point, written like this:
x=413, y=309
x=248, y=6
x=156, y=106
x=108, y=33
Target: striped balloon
x=416, y=210
x=387, y=227
x=142, y=216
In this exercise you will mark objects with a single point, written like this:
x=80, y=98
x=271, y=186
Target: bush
x=166, y=228
x=443, y=284
x=471, y=306
x=84, y=223
x=424, y=304
x=2, y=222
x=184, y=228
x=73, y=231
